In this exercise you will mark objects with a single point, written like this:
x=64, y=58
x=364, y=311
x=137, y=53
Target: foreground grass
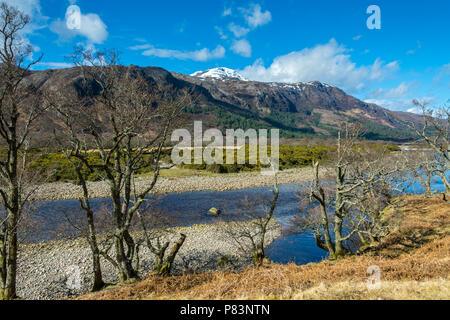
x=414, y=261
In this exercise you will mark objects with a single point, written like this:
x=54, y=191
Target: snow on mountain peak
x=221, y=73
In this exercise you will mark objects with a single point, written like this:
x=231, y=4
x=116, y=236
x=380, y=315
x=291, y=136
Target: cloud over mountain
x=330, y=63
x=197, y=55
x=242, y=47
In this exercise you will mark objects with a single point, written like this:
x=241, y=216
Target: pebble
x=223, y=182
x=63, y=269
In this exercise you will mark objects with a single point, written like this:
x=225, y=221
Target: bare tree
x=423, y=165
x=249, y=234
x=435, y=131
x=350, y=205
x=157, y=237
x=19, y=108
x=126, y=121
x=70, y=109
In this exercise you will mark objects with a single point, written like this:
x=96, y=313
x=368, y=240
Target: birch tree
x=256, y=222
x=351, y=204
x=19, y=108
x=435, y=131
x=125, y=120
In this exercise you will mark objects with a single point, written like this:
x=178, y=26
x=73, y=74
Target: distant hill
x=228, y=100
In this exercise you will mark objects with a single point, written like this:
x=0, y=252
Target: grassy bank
x=414, y=261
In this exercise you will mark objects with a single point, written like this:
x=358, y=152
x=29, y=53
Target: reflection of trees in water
x=59, y=220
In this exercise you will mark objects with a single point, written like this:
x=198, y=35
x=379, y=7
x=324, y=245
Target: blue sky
x=284, y=40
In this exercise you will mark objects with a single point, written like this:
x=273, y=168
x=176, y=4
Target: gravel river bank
x=46, y=269
x=62, y=269
x=219, y=182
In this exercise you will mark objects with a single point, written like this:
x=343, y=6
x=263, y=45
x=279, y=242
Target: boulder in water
x=214, y=212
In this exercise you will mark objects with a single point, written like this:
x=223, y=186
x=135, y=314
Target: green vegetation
x=294, y=125
x=290, y=157
x=57, y=167
x=379, y=132
x=291, y=125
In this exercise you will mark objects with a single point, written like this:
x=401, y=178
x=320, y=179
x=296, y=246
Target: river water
x=190, y=208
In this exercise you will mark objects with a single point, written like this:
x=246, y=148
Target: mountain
x=225, y=99
x=221, y=73
x=298, y=109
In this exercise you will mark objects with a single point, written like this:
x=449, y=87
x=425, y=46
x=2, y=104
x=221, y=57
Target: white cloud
x=255, y=17
x=414, y=110
x=198, y=55
x=443, y=73
x=90, y=26
x=399, y=104
x=393, y=93
x=356, y=38
x=140, y=47
x=32, y=8
x=238, y=31
x=55, y=65
x=29, y=7
x=219, y=30
x=327, y=63
x=242, y=47
x=227, y=12
x=398, y=92
x=394, y=105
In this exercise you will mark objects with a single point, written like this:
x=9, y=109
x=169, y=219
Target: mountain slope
x=301, y=108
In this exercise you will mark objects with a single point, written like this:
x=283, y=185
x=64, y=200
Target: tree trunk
x=159, y=260
x=98, y=277
x=124, y=257
x=259, y=255
x=3, y=240
x=9, y=292
x=339, y=246
x=328, y=242
x=428, y=192
x=91, y=237
x=126, y=270
x=13, y=218
x=323, y=211
x=339, y=212
x=166, y=269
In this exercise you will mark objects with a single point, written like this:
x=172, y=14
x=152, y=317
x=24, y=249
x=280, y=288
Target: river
x=185, y=209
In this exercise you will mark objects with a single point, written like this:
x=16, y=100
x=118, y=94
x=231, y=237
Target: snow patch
x=219, y=73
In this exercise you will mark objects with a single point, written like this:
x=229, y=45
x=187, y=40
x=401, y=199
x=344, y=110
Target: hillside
x=227, y=100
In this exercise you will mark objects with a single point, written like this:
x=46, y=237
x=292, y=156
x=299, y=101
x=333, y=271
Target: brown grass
x=414, y=261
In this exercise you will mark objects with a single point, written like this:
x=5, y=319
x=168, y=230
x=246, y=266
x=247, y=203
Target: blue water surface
x=190, y=208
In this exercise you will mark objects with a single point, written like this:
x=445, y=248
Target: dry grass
x=414, y=261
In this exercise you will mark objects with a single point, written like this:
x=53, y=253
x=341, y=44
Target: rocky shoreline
x=45, y=269
x=223, y=182
x=62, y=269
